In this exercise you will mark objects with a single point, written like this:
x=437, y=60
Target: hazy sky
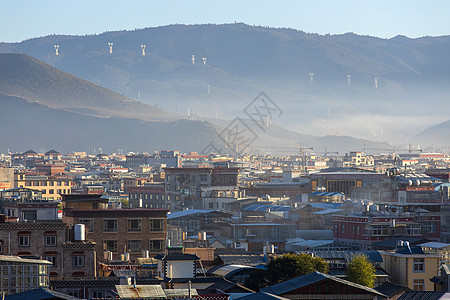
x=23, y=19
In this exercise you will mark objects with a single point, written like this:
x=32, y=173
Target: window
x=134, y=225
x=211, y=205
x=50, y=241
x=156, y=224
x=110, y=245
x=134, y=246
x=343, y=228
x=377, y=230
x=24, y=241
x=110, y=225
x=433, y=228
x=156, y=245
x=51, y=191
x=89, y=224
x=357, y=229
x=1, y=247
x=52, y=259
x=78, y=260
x=73, y=293
x=419, y=265
x=29, y=215
x=97, y=294
x=418, y=284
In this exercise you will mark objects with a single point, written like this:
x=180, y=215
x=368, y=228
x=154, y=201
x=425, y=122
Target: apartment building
x=117, y=231
x=52, y=187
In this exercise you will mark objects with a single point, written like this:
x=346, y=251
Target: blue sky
x=24, y=19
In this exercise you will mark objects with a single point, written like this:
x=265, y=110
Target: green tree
x=291, y=265
x=360, y=270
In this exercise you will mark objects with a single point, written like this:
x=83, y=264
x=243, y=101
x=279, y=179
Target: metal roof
x=327, y=211
x=391, y=289
x=325, y=205
x=140, y=291
x=17, y=259
x=308, y=243
x=262, y=296
x=416, y=295
x=187, y=212
x=180, y=293
x=309, y=279
x=229, y=270
x=435, y=245
x=327, y=194
x=266, y=207
x=243, y=259
x=373, y=256
x=40, y=293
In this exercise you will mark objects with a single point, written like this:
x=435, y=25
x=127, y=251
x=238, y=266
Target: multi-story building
x=183, y=184
x=410, y=266
x=48, y=239
x=118, y=231
x=344, y=180
x=27, y=205
x=20, y=275
x=52, y=187
x=6, y=178
x=151, y=195
x=366, y=228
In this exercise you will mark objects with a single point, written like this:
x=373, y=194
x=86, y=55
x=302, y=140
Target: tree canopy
x=286, y=267
x=291, y=265
x=360, y=270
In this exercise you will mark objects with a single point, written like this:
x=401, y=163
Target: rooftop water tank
x=79, y=232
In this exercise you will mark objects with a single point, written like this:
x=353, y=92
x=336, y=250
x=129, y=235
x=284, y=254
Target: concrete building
x=365, y=229
x=411, y=267
x=27, y=205
x=151, y=195
x=117, y=231
x=52, y=187
x=69, y=258
x=183, y=184
x=20, y=275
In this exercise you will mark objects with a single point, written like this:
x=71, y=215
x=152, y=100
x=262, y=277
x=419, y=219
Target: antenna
x=189, y=113
x=56, y=49
x=193, y=59
x=209, y=89
x=143, y=50
x=139, y=94
x=349, y=77
x=329, y=112
x=110, y=47
x=204, y=60
x=376, y=82
x=311, y=76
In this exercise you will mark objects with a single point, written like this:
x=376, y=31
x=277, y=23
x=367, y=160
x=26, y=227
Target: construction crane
x=303, y=157
x=325, y=153
x=411, y=149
